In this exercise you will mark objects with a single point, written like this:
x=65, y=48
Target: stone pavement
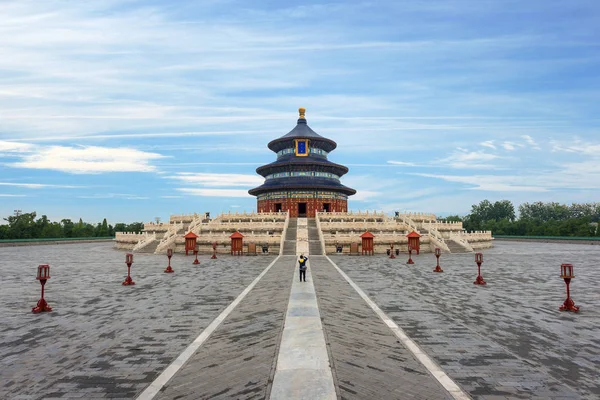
x=303, y=369
x=505, y=340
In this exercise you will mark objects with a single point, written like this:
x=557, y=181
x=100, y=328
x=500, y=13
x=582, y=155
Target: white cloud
x=12, y=195
x=508, y=146
x=577, y=146
x=362, y=195
x=530, y=142
x=463, y=158
x=40, y=185
x=219, y=180
x=16, y=147
x=406, y=164
x=491, y=183
x=88, y=160
x=215, y=192
x=488, y=143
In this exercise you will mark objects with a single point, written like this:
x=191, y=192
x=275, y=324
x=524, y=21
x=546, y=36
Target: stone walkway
x=303, y=370
x=503, y=341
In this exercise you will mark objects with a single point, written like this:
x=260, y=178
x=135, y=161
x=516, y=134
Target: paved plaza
x=103, y=340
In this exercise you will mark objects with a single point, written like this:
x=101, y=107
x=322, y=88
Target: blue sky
x=131, y=110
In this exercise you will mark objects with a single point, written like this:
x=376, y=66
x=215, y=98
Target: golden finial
x=302, y=110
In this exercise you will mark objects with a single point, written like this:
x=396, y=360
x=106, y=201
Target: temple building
x=302, y=208
x=302, y=180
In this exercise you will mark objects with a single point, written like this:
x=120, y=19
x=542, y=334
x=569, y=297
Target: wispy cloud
x=463, y=158
x=40, y=185
x=88, y=160
x=530, y=142
x=488, y=143
x=402, y=163
x=215, y=192
x=14, y=147
x=219, y=180
x=509, y=146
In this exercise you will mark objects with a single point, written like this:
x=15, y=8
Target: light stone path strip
x=153, y=389
x=238, y=359
x=303, y=370
x=455, y=391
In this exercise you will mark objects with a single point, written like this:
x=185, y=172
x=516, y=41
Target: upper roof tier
x=302, y=131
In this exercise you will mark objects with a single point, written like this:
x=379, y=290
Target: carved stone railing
x=436, y=238
x=144, y=242
x=169, y=238
x=409, y=222
x=285, y=228
x=462, y=240
x=321, y=237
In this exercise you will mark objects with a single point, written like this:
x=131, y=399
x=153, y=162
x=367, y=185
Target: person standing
x=302, y=264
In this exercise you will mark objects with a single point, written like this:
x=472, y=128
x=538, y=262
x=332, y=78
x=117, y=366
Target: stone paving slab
x=369, y=362
x=503, y=340
x=104, y=340
x=237, y=361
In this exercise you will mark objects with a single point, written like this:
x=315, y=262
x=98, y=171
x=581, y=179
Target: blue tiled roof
x=302, y=131
x=302, y=183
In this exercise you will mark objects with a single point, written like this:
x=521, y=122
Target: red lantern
x=566, y=272
x=43, y=274
x=214, y=255
x=196, y=254
x=169, y=254
x=438, y=252
x=478, y=258
x=128, y=260
x=410, y=261
x=392, y=250
x=479, y=261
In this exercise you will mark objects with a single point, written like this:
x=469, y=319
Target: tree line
x=534, y=219
x=26, y=226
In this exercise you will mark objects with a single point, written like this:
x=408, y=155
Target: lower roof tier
x=302, y=183
x=302, y=164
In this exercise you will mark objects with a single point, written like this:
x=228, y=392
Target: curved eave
x=311, y=183
x=286, y=142
x=282, y=165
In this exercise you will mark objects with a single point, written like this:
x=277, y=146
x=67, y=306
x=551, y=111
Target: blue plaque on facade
x=302, y=147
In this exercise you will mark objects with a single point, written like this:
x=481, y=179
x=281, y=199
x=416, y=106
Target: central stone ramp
x=367, y=359
x=237, y=360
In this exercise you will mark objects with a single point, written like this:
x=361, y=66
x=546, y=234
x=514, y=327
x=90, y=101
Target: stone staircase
x=314, y=242
x=456, y=246
x=289, y=243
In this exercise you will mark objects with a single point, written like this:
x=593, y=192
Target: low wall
x=38, y=242
x=550, y=239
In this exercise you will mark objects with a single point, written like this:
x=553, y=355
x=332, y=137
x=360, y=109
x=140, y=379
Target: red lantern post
x=479, y=261
x=567, y=274
x=214, y=246
x=43, y=274
x=196, y=254
x=128, y=261
x=392, y=250
x=438, y=253
x=169, y=254
x=410, y=261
